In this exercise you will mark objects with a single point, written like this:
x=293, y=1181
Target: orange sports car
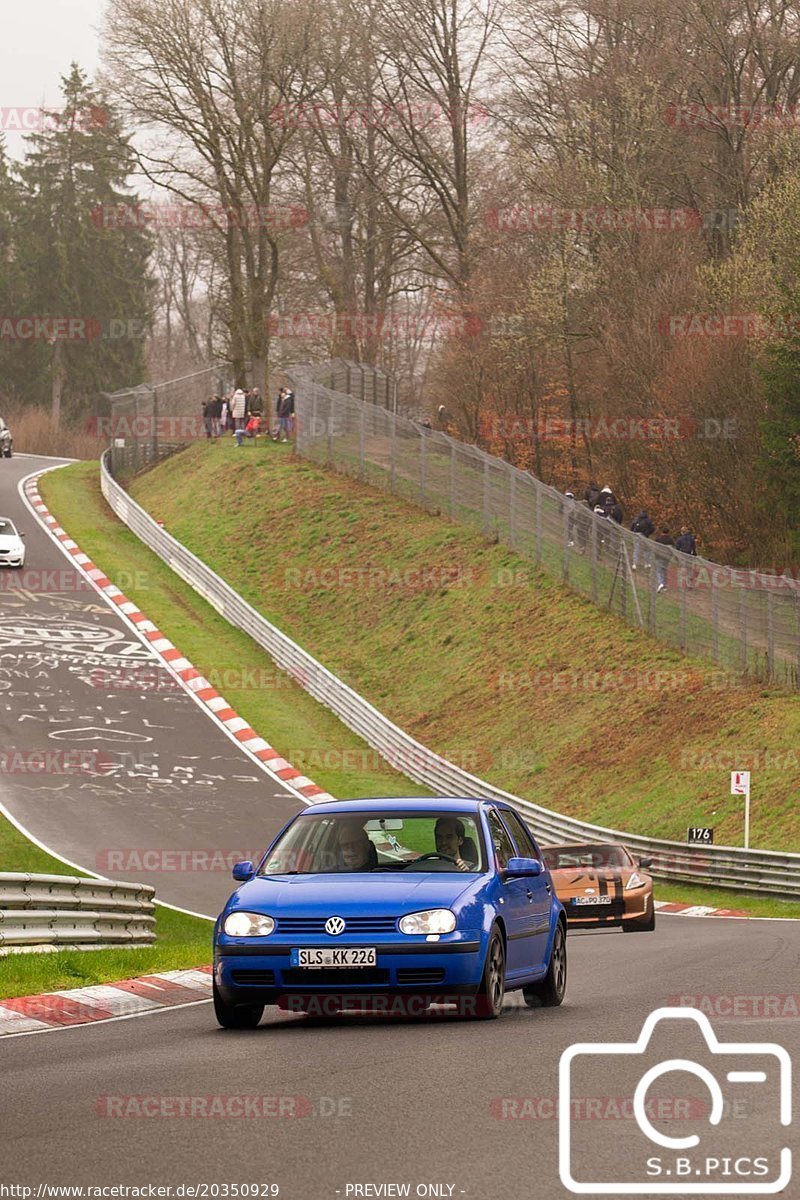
x=601, y=885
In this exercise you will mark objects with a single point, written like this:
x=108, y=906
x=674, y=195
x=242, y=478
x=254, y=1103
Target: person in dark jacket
x=592, y=495
x=285, y=414
x=663, y=539
x=642, y=524
x=686, y=542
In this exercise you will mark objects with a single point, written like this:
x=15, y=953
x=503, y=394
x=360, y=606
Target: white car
x=12, y=547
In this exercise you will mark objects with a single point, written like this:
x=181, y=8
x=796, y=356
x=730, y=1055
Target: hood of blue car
x=350, y=895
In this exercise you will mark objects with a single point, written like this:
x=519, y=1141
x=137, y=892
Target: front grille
x=254, y=978
x=316, y=925
x=419, y=975
x=321, y=977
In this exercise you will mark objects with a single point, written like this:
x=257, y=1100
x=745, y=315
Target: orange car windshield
x=559, y=858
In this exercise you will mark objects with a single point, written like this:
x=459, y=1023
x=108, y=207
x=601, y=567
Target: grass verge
x=181, y=941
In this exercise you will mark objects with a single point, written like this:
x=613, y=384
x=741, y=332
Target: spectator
x=607, y=499
x=686, y=542
x=592, y=495
x=570, y=498
x=207, y=416
x=253, y=426
x=225, y=414
x=216, y=416
x=441, y=413
x=238, y=409
x=601, y=513
x=641, y=524
x=256, y=403
x=663, y=539
x=285, y=412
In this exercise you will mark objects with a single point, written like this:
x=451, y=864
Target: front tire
x=550, y=991
x=236, y=1016
x=489, y=997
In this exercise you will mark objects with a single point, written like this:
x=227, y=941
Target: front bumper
x=264, y=972
x=632, y=907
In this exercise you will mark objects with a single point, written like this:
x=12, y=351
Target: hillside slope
x=479, y=656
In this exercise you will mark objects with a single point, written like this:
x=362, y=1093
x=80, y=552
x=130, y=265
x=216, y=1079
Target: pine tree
x=77, y=264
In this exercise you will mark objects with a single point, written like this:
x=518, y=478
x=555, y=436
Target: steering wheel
x=433, y=854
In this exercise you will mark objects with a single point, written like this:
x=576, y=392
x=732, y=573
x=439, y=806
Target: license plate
x=591, y=899
x=328, y=956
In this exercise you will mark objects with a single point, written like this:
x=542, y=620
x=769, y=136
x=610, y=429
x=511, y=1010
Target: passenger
x=451, y=840
x=356, y=851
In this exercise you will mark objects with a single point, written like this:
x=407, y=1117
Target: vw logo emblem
x=334, y=926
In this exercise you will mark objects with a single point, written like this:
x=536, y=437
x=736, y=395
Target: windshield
x=560, y=857
x=6, y=527
x=377, y=842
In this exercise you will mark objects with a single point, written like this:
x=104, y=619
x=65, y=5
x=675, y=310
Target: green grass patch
x=305, y=732
x=477, y=654
x=756, y=906
x=181, y=941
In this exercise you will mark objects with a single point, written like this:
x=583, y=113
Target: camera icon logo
x=689, y=1164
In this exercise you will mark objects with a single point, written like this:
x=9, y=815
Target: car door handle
x=530, y=894
x=548, y=885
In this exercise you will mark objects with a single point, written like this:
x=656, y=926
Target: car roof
x=421, y=804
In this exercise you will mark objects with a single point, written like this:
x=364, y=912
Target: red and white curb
x=215, y=705
x=696, y=910
x=104, y=1001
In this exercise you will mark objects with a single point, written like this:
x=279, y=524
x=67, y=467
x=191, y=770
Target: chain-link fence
x=748, y=622
x=370, y=384
x=151, y=421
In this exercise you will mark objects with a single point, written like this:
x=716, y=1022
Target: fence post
x=155, y=425
x=313, y=412
x=680, y=574
x=361, y=422
x=743, y=630
x=538, y=523
x=652, y=619
x=594, y=558
x=512, y=507
x=771, y=634
x=453, y=482
x=393, y=452
x=331, y=419
x=565, y=547
x=422, y=457
x=485, y=495
x=715, y=618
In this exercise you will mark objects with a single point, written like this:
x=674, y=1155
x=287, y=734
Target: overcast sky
x=40, y=38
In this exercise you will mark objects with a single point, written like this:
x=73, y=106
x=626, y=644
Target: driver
x=356, y=851
x=450, y=836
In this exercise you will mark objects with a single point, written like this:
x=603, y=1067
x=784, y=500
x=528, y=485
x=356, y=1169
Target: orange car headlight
x=635, y=881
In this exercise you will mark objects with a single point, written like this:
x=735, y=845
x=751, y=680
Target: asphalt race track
x=135, y=773
x=323, y=1106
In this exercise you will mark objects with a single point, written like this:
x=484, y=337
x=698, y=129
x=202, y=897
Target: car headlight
x=247, y=924
x=434, y=920
x=635, y=881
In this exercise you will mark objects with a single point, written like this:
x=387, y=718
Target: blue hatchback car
x=392, y=905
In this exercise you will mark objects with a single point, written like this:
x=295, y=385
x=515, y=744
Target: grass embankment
x=181, y=941
x=448, y=635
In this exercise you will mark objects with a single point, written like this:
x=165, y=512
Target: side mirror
x=242, y=871
x=516, y=867
x=644, y=863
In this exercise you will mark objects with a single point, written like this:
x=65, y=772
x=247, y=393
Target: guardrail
x=56, y=912
x=725, y=866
